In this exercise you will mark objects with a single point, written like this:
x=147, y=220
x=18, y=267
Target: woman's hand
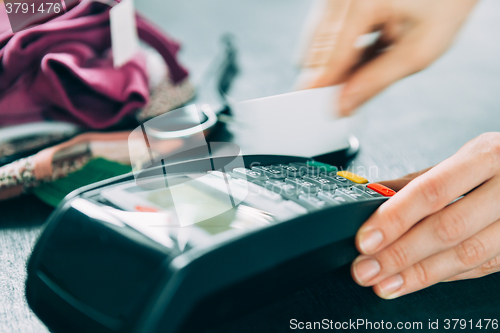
x=413, y=35
x=417, y=238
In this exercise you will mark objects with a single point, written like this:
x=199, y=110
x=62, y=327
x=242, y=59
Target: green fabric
x=95, y=170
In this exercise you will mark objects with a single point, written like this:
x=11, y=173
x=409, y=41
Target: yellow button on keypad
x=352, y=177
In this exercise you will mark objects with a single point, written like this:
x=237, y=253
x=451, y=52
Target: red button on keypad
x=384, y=190
x=146, y=209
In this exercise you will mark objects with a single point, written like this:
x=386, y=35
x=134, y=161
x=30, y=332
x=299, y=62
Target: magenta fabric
x=63, y=70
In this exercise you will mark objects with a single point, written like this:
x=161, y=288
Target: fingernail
x=389, y=286
x=365, y=270
x=370, y=240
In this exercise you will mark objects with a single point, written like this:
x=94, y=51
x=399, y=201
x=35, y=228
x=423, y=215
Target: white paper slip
x=124, y=38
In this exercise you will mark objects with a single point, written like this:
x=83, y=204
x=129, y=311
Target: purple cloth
x=63, y=70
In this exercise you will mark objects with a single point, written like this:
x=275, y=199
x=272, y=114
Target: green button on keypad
x=323, y=166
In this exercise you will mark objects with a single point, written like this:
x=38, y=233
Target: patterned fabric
x=18, y=172
x=21, y=172
x=63, y=168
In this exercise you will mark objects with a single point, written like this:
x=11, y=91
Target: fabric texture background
x=63, y=70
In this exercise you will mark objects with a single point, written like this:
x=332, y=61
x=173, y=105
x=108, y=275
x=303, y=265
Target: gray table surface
x=416, y=123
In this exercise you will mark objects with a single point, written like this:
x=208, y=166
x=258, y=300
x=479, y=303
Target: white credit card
x=302, y=123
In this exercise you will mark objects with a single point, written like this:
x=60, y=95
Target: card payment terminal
x=204, y=245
